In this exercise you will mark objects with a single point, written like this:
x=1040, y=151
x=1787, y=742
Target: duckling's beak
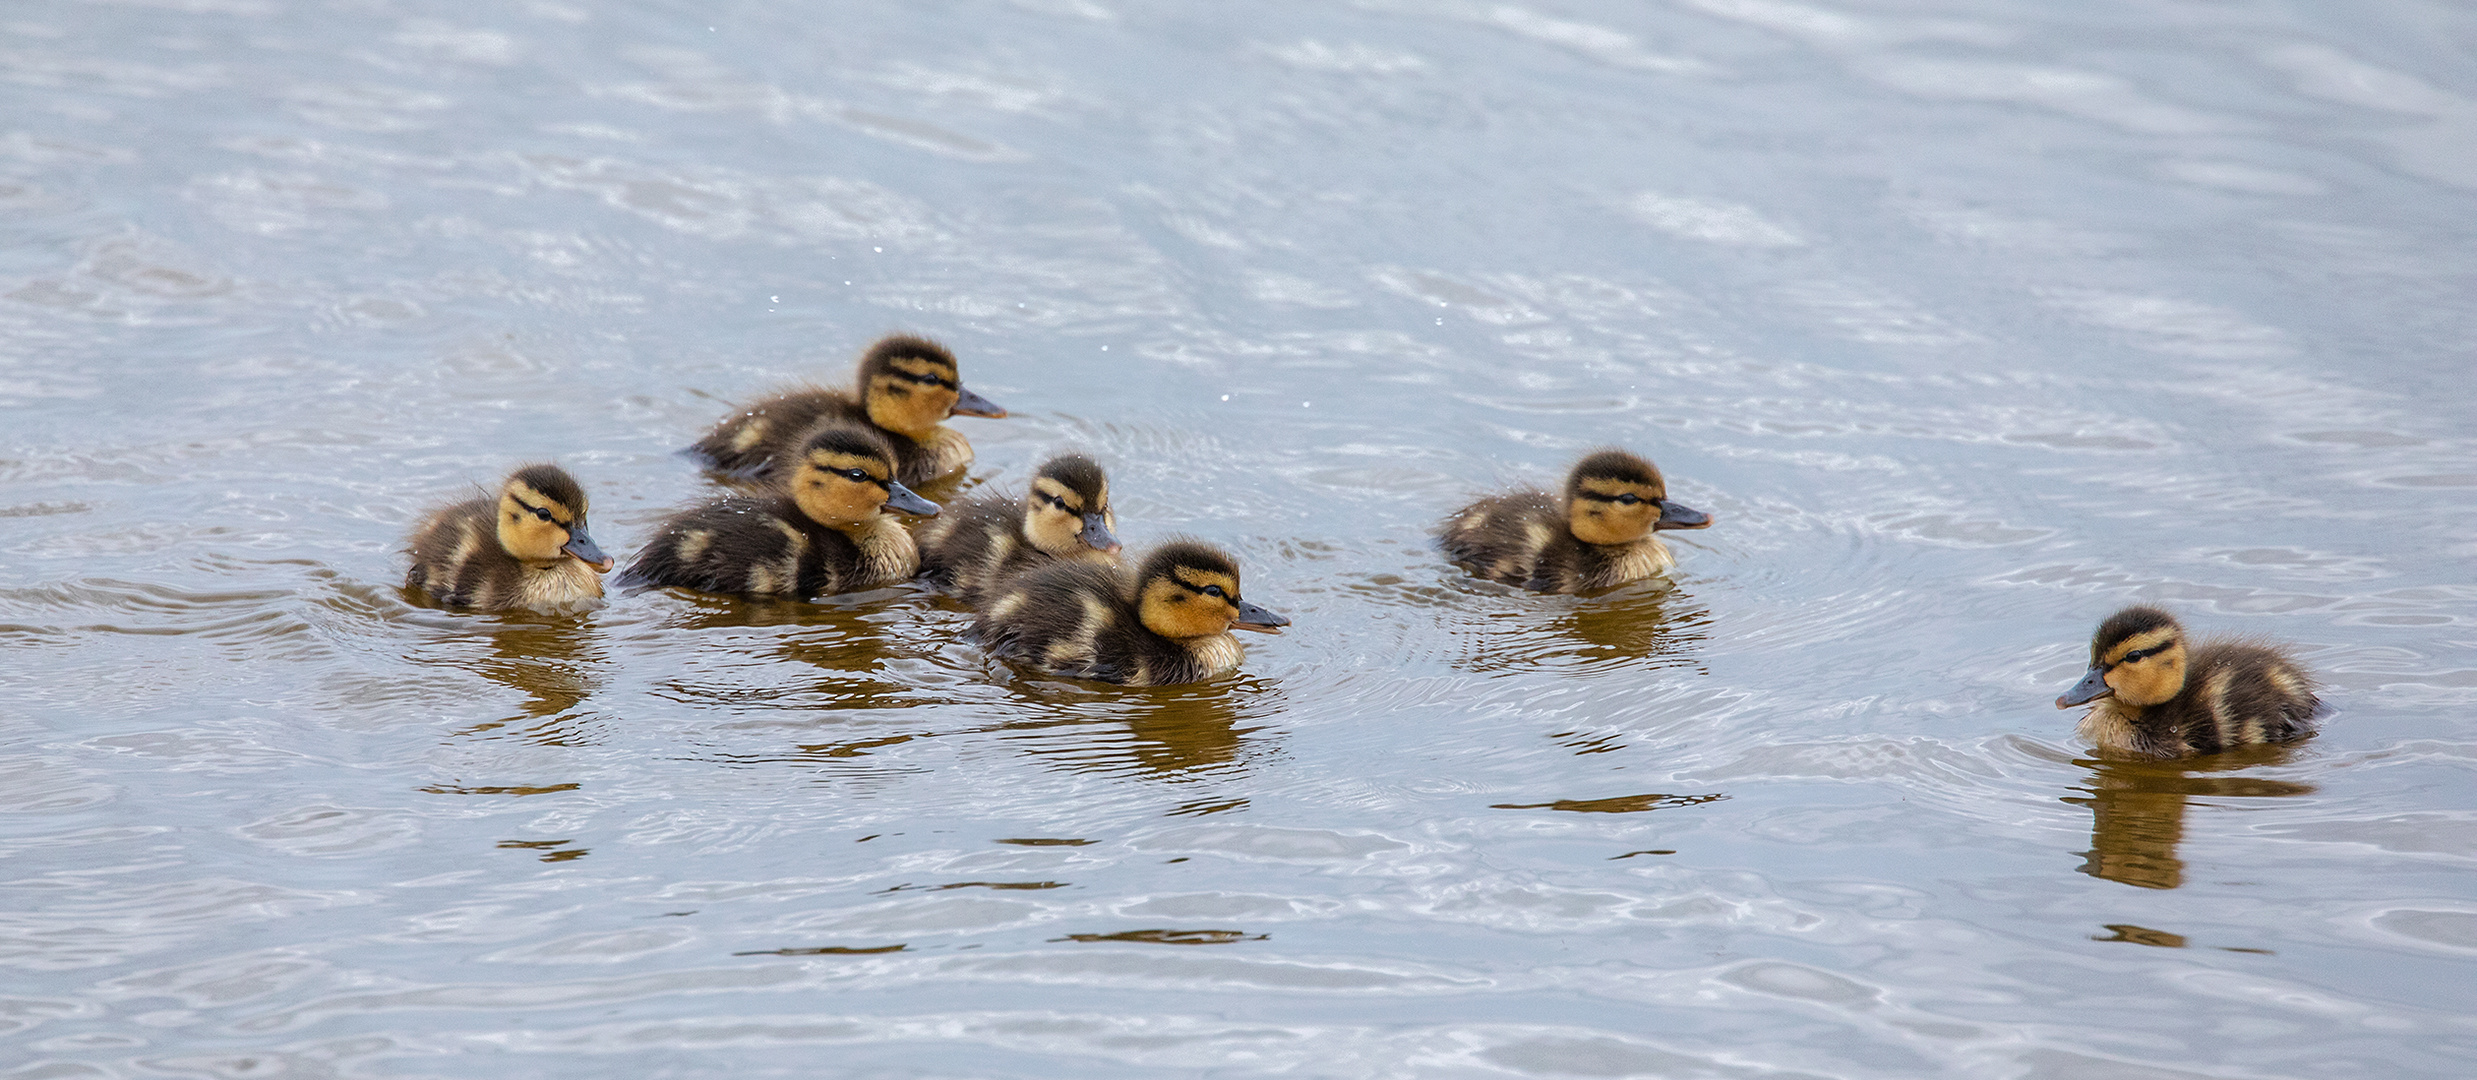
x=2093, y=686
x=1251, y=617
x=1096, y=534
x=582, y=546
x=900, y=500
x=968, y=403
x=1677, y=515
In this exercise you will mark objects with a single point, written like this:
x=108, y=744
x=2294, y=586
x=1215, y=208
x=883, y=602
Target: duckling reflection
x=850, y=646
x=1172, y=733
x=2138, y=809
x=551, y=661
x=1649, y=624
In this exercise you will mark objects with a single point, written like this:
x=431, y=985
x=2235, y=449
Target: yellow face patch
x=2147, y=668
x=842, y=489
x=2141, y=642
x=1607, y=511
x=912, y=396
x=532, y=526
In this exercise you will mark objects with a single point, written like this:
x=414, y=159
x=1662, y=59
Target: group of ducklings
x=824, y=475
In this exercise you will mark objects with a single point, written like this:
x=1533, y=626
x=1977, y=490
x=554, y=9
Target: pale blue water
x=1970, y=322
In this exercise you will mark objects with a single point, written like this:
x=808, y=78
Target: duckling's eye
x=1628, y=499
x=1215, y=591
x=539, y=512
x=861, y=475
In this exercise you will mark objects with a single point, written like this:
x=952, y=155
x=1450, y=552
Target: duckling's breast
x=565, y=588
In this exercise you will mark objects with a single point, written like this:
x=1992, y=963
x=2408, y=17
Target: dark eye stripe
x=924, y=380
x=2143, y=654
x=861, y=475
x=1595, y=496
x=538, y=511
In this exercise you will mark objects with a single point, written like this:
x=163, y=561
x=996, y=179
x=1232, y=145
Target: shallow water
x=1968, y=320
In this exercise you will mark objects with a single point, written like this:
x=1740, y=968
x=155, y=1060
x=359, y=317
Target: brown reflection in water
x=978, y=885
x=552, y=660
x=2138, y=809
x=2141, y=935
x=1170, y=937
x=826, y=950
x=550, y=849
x=1623, y=804
x=453, y=789
x=848, y=643
x=1651, y=623
x=1170, y=732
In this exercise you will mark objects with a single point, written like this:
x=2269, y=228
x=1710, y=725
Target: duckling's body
x=1169, y=623
x=823, y=529
x=2158, y=699
x=977, y=543
x=907, y=388
x=527, y=549
x=1600, y=533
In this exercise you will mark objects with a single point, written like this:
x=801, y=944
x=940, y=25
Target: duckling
x=2156, y=701
x=982, y=541
x=823, y=529
x=1168, y=624
x=1597, y=535
x=907, y=388
x=528, y=551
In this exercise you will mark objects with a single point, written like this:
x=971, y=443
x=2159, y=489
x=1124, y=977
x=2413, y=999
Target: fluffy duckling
x=527, y=550
x=2156, y=700
x=908, y=386
x=823, y=529
x=982, y=541
x=1597, y=535
x=1170, y=623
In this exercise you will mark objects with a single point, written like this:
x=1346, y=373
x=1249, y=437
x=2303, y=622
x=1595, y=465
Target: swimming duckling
x=982, y=541
x=1170, y=623
x=2156, y=701
x=1599, y=534
x=528, y=551
x=824, y=529
x=908, y=387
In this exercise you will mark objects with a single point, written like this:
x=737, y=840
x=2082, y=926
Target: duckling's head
x=1188, y=589
x=1066, y=513
x=2137, y=657
x=844, y=477
x=1613, y=497
x=542, y=519
x=911, y=386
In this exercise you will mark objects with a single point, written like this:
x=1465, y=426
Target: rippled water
x=1970, y=320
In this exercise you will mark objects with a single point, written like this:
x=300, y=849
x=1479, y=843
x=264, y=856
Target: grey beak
x=583, y=547
x=900, y=500
x=1677, y=515
x=2093, y=686
x=968, y=403
x=1096, y=534
x=1251, y=617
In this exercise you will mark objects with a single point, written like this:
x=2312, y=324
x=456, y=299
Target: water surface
x=1970, y=320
